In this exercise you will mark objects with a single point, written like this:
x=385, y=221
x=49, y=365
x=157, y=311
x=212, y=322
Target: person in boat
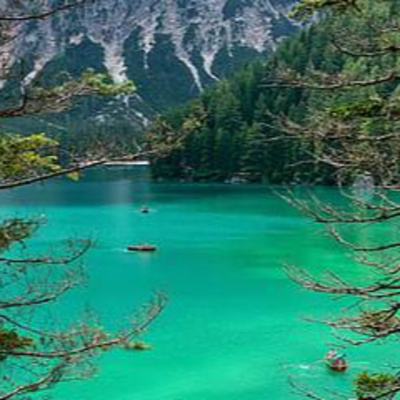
x=331, y=355
x=145, y=210
x=340, y=362
x=336, y=362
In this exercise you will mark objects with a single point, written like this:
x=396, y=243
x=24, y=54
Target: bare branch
x=154, y=309
x=44, y=13
x=41, y=383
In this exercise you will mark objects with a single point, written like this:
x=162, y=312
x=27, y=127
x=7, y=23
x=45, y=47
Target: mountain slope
x=172, y=49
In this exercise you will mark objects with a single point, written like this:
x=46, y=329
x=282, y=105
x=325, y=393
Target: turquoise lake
x=234, y=328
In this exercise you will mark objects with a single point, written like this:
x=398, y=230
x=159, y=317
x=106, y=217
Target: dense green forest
x=231, y=131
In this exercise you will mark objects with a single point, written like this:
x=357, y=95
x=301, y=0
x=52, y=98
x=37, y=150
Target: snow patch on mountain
x=172, y=49
x=194, y=27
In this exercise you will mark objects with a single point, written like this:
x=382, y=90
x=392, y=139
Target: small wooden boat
x=336, y=362
x=142, y=247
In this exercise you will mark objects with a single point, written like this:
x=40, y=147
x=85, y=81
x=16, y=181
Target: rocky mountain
x=171, y=49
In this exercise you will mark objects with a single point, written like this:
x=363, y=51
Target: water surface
x=234, y=327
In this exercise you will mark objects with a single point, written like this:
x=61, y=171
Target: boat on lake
x=142, y=247
x=145, y=210
x=336, y=362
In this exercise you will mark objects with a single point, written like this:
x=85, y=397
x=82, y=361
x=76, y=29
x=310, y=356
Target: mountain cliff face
x=172, y=49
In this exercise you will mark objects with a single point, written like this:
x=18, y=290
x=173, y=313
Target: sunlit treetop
x=21, y=155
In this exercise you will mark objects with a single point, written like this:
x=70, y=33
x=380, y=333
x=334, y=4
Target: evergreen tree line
x=230, y=131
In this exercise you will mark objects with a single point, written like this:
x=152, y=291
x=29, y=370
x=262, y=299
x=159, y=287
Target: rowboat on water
x=142, y=247
x=336, y=362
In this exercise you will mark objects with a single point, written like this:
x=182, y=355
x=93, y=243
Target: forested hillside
x=172, y=50
x=235, y=129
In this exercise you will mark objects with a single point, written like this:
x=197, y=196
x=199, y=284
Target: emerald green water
x=233, y=329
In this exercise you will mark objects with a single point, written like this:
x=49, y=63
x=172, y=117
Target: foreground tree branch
x=24, y=16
